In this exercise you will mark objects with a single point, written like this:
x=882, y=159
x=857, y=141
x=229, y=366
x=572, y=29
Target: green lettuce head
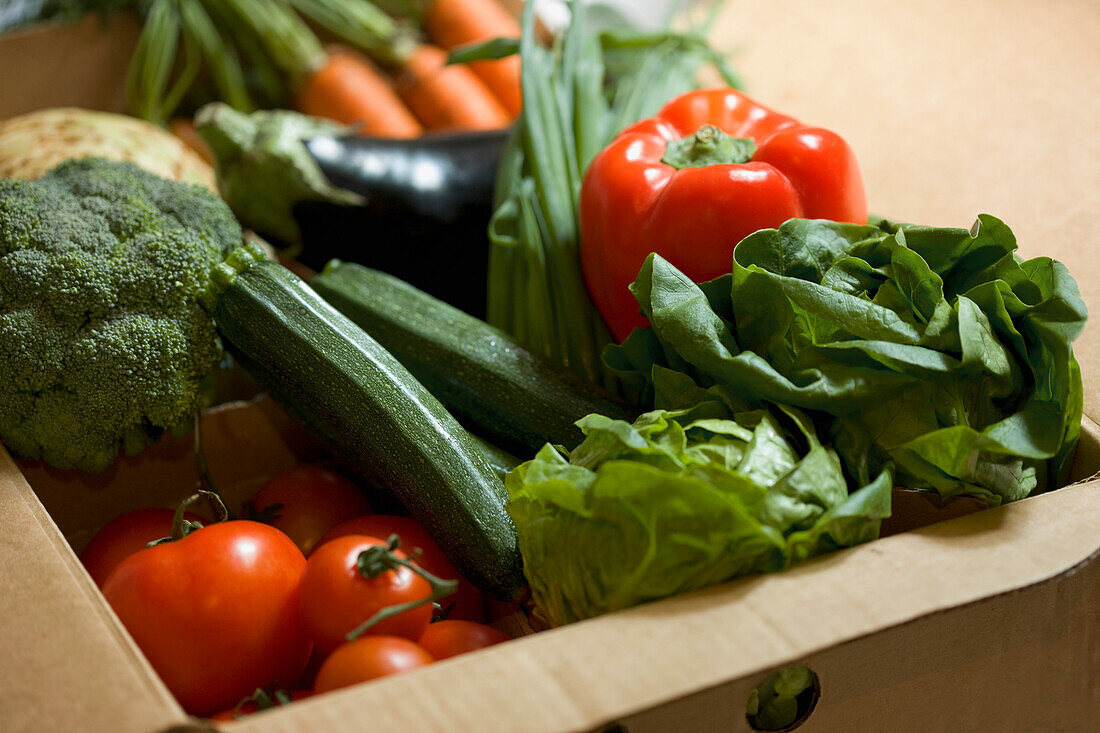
x=678, y=500
x=936, y=350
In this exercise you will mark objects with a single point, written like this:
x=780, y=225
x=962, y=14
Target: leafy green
x=494, y=48
x=781, y=699
x=681, y=499
x=935, y=349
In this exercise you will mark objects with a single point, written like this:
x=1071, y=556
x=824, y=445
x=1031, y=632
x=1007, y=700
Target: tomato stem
x=378, y=559
x=181, y=526
x=264, y=701
x=205, y=480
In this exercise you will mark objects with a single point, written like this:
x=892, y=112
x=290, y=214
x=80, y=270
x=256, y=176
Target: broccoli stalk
x=103, y=342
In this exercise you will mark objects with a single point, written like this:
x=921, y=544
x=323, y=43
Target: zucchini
x=499, y=390
x=501, y=461
x=350, y=391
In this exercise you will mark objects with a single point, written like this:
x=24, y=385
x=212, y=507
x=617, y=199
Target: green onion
x=362, y=25
x=154, y=56
x=577, y=96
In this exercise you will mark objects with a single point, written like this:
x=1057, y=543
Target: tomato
x=123, y=536
x=251, y=704
x=466, y=603
x=368, y=658
x=306, y=501
x=449, y=638
x=336, y=598
x=215, y=613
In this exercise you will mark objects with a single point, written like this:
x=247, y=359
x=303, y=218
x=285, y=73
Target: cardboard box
x=988, y=622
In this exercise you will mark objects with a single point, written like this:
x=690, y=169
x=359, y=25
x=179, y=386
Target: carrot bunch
x=421, y=91
x=390, y=76
x=351, y=90
x=455, y=23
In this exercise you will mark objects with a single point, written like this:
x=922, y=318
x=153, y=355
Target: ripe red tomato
x=216, y=613
x=466, y=603
x=368, y=658
x=335, y=597
x=449, y=638
x=252, y=705
x=123, y=536
x=306, y=501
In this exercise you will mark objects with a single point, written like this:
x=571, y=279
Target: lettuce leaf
x=679, y=500
x=781, y=699
x=936, y=350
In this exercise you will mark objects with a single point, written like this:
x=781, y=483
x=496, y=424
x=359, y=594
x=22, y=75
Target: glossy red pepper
x=710, y=168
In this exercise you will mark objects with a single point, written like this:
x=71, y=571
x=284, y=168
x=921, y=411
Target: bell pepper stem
x=708, y=146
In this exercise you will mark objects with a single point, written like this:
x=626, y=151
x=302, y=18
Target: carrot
x=447, y=97
x=453, y=23
x=348, y=89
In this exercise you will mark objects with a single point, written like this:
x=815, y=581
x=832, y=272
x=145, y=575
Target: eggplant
x=424, y=214
x=418, y=209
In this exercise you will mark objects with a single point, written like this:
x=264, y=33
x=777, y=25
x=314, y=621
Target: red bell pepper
x=710, y=168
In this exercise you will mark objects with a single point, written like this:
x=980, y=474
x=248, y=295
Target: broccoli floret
x=103, y=342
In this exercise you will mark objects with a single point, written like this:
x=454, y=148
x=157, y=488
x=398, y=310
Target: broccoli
x=103, y=342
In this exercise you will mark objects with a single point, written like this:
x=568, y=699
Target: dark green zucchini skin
x=342, y=385
x=515, y=399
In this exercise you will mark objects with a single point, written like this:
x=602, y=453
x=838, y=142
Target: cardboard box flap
x=1024, y=660
x=663, y=651
x=59, y=637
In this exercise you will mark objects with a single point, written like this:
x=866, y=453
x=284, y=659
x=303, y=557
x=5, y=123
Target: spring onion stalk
x=154, y=56
x=219, y=57
x=362, y=25
x=577, y=95
x=289, y=42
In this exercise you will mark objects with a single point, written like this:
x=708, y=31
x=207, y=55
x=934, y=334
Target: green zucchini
x=499, y=390
x=341, y=384
x=501, y=461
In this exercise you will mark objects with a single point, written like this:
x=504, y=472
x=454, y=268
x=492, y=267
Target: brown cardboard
x=990, y=621
x=75, y=65
x=948, y=671
x=893, y=594
x=67, y=664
